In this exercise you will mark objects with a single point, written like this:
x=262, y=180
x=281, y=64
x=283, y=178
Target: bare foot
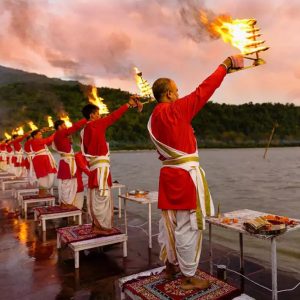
x=43, y=193
x=102, y=231
x=171, y=271
x=190, y=283
x=65, y=206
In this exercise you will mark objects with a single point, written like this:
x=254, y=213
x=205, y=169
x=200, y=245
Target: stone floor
x=32, y=268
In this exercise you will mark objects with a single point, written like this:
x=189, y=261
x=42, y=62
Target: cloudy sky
x=99, y=41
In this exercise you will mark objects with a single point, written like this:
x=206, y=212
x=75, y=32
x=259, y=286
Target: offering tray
x=272, y=230
x=262, y=226
x=138, y=193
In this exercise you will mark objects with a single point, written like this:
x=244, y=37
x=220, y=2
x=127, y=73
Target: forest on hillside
x=217, y=125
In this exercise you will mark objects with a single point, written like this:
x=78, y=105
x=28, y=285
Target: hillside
x=217, y=125
x=9, y=75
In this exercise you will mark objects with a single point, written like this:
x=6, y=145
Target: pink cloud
x=100, y=41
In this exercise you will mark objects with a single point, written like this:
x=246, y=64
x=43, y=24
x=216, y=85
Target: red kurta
x=82, y=167
x=17, y=147
x=9, y=150
x=94, y=141
x=41, y=163
x=2, y=149
x=63, y=144
x=27, y=149
x=171, y=125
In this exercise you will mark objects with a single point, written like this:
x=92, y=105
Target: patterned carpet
x=35, y=196
x=156, y=287
x=80, y=233
x=45, y=210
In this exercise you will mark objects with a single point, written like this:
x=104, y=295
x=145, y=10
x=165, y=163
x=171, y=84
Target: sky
x=100, y=41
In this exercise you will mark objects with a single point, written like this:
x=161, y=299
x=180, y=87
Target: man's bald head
x=160, y=87
x=165, y=90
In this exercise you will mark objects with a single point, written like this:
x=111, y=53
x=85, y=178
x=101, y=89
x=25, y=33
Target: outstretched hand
x=134, y=101
x=234, y=62
x=46, y=129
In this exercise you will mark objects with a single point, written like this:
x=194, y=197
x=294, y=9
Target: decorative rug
x=36, y=196
x=155, y=287
x=81, y=233
x=46, y=210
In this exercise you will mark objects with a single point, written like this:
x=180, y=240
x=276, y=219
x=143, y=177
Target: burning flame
x=94, y=99
x=8, y=137
x=143, y=85
x=32, y=126
x=67, y=121
x=20, y=131
x=50, y=121
x=240, y=33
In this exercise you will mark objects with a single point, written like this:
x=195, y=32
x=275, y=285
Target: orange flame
x=7, y=136
x=50, y=121
x=67, y=121
x=94, y=99
x=20, y=130
x=144, y=87
x=32, y=126
x=240, y=33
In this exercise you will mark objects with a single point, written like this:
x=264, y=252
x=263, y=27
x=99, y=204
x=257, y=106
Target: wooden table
x=57, y=215
x=13, y=181
x=148, y=199
x=34, y=199
x=20, y=192
x=7, y=176
x=243, y=215
x=77, y=246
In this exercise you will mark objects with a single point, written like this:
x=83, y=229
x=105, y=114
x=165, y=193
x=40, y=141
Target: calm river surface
x=238, y=178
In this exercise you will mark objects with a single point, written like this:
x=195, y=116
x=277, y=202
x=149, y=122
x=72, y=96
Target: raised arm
x=188, y=106
x=114, y=116
x=48, y=140
x=76, y=126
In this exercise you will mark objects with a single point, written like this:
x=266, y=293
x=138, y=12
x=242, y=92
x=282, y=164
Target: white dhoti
x=46, y=182
x=20, y=171
x=180, y=233
x=78, y=201
x=180, y=240
x=31, y=173
x=67, y=189
x=100, y=208
x=3, y=165
x=10, y=165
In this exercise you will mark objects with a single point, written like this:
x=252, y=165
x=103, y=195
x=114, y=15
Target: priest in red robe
x=43, y=161
x=96, y=150
x=184, y=197
x=67, y=181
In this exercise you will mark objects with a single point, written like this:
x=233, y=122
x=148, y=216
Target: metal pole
x=274, y=268
x=150, y=224
x=210, y=249
x=125, y=215
x=241, y=253
x=120, y=203
x=242, y=265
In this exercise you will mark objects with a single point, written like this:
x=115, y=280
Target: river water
x=238, y=179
